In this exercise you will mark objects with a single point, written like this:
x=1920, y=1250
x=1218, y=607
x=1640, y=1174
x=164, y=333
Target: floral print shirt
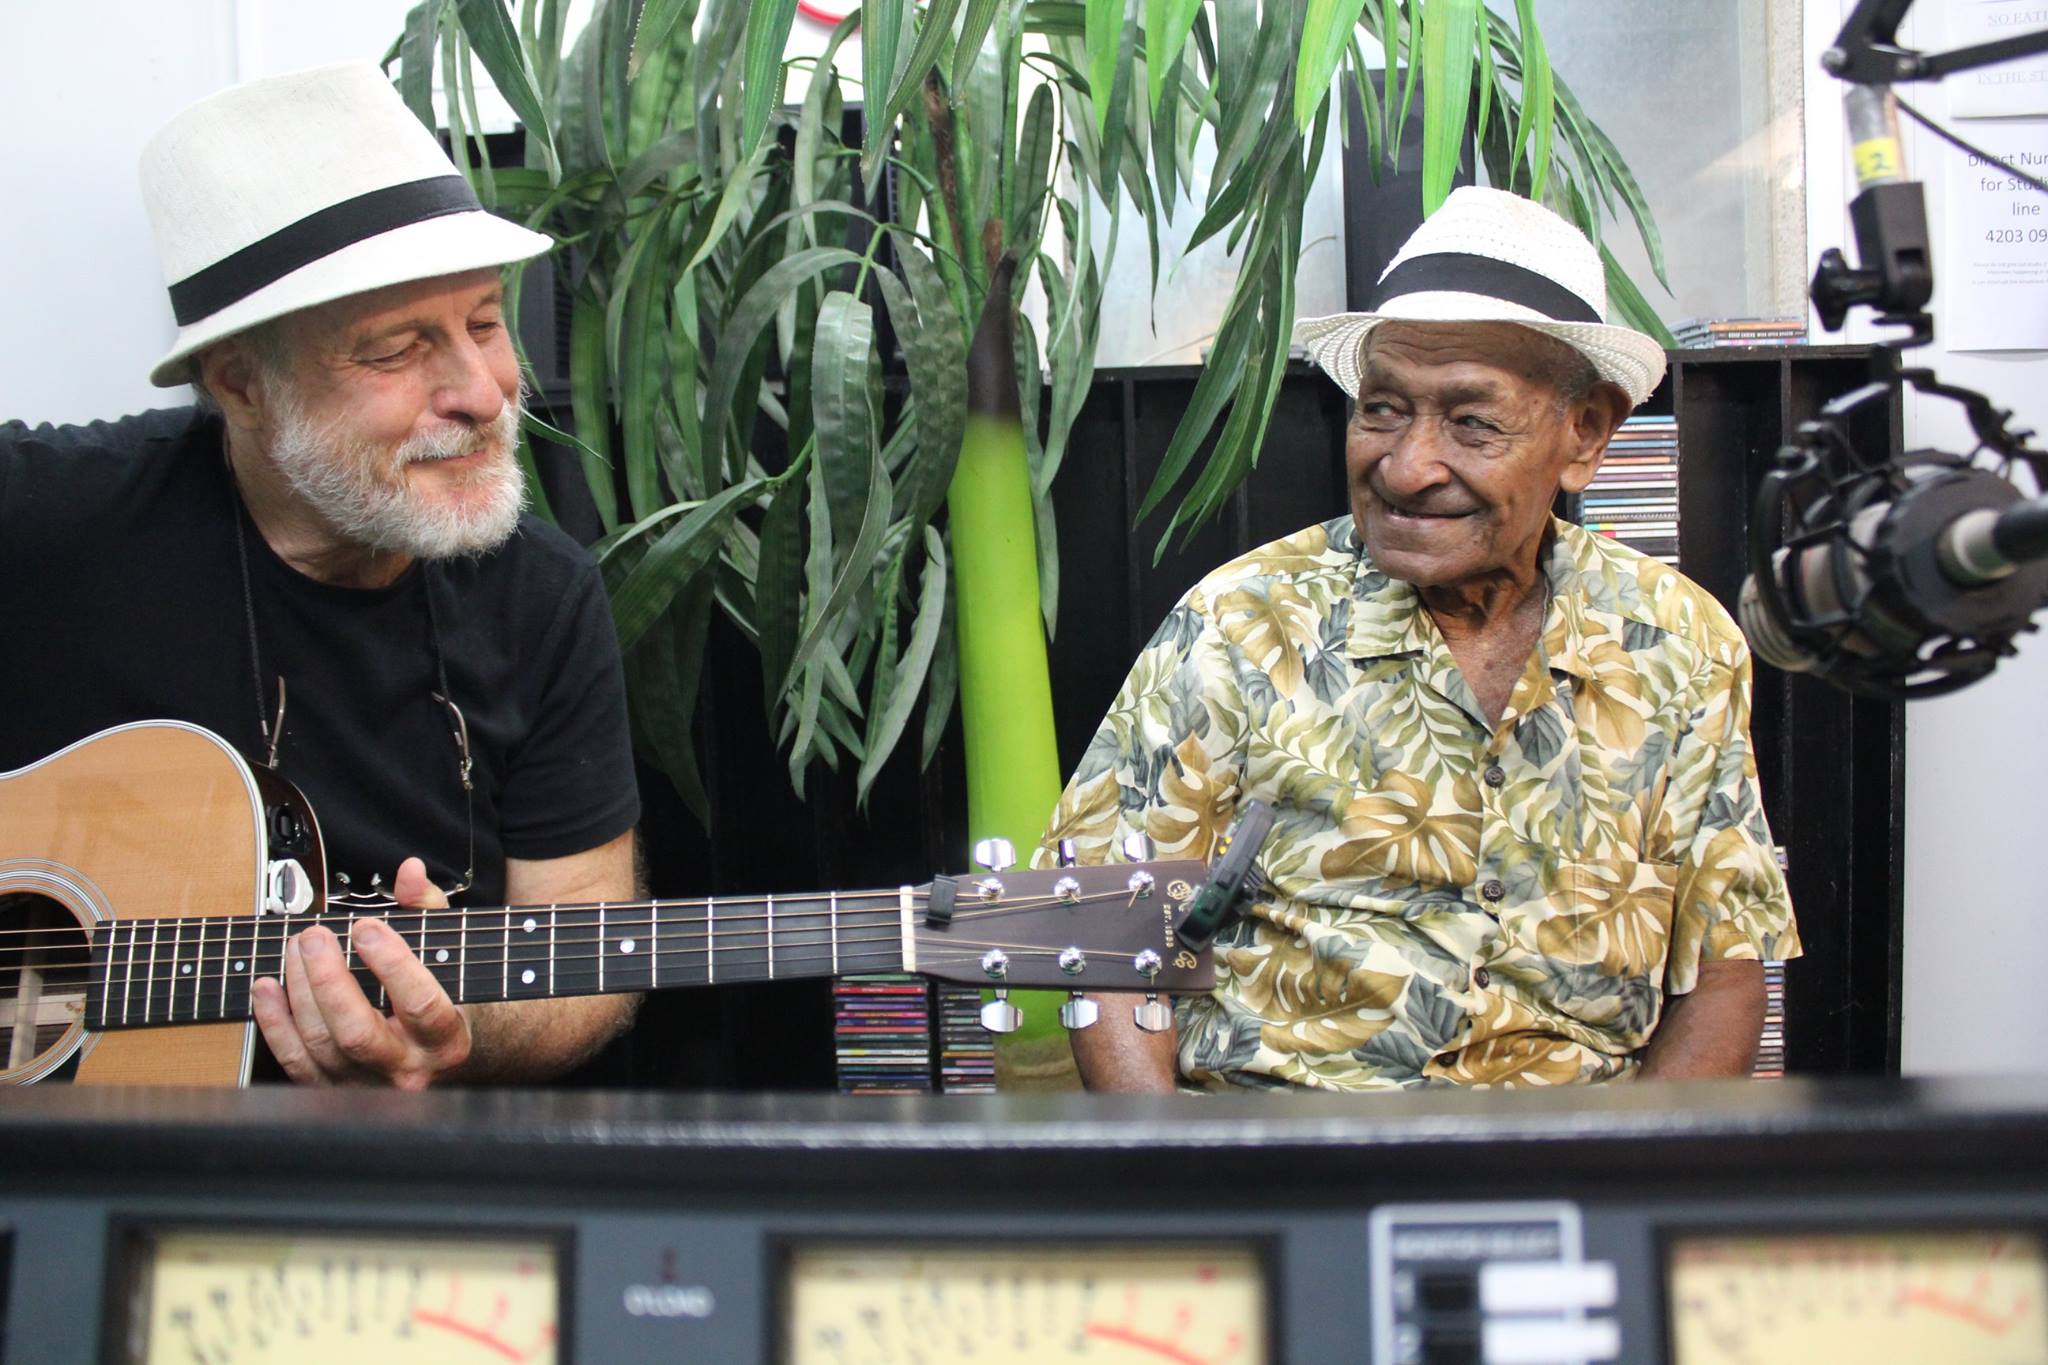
x=1446, y=900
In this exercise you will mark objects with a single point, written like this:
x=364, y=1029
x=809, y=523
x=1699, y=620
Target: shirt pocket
x=1610, y=915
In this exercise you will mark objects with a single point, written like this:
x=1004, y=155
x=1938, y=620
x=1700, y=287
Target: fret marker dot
x=625, y=945
x=527, y=976
x=187, y=969
x=531, y=924
x=440, y=954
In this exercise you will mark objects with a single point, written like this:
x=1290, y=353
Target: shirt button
x=1494, y=889
x=1494, y=776
x=1481, y=978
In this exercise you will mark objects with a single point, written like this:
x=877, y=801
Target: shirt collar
x=1387, y=618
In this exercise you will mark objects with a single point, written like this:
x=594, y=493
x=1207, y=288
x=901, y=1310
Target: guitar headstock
x=1106, y=928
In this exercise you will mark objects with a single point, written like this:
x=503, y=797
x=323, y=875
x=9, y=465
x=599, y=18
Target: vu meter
x=1002, y=1305
x=1971, y=1298
x=267, y=1298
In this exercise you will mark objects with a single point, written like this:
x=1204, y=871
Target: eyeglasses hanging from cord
x=271, y=728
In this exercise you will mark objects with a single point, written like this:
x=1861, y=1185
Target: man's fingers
x=354, y=1031
x=305, y=1012
x=411, y=889
x=322, y=1027
x=274, y=1017
x=419, y=1005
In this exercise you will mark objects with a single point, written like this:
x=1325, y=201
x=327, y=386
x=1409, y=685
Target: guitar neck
x=202, y=969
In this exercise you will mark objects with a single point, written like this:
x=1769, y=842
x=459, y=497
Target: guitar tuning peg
x=1135, y=847
x=1068, y=854
x=1000, y=1016
x=997, y=855
x=1078, y=1012
x=1155, y=1015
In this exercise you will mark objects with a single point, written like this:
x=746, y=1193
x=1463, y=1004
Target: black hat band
x=1458, y=272
x=268, y=260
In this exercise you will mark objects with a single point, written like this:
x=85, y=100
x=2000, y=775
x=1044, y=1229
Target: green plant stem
x=1013, y=774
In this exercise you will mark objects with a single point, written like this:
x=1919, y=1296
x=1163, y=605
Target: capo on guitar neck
x=1223, y=897
x=938, y=906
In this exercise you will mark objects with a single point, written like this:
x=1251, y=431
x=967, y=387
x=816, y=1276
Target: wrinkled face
x=1458, y=445
x=396, y=416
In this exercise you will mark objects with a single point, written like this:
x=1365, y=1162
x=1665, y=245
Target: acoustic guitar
x=149, y=875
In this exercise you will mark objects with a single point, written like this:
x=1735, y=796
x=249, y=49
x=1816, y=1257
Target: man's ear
x=1593, y=421
x=229, y=374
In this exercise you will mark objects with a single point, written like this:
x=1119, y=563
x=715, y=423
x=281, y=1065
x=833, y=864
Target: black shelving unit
x=1832, y=766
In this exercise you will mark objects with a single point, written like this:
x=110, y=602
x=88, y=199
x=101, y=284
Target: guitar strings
x=715, y=905
x=204, y=968
x=814, y=966
x=211, y=984
x=798, y=957
x=476, y=913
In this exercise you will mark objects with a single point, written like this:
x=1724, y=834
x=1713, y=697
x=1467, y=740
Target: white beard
x=337, y=476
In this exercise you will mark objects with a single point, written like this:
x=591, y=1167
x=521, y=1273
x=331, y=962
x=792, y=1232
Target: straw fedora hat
x=301, y=189
x=1490, y=256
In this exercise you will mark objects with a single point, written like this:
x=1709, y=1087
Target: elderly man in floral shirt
x=1519, y=839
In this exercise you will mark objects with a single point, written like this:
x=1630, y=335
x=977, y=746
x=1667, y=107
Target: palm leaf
x=768, y=24
x=496, y=43
x=1167, y=24
x=651, y=31
x=1539, y=109
x=1448, y=30
x=893, y=704
x=1326, y=32
x=416, y=60
x=845, y=372
x=881, y=25
x=935, y=28
x=674, y=560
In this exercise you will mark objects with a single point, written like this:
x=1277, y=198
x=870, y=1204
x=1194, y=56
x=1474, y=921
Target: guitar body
x=156, y=819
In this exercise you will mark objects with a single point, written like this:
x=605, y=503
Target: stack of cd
x=1770, y=1051
x=1700, y=332
x=967, y=1051
x=882, y=1032
x=1634, y=497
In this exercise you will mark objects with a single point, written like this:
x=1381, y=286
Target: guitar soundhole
x=45, y=957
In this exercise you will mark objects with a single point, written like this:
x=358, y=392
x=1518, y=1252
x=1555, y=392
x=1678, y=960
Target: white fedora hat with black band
x=1490, y=256
x=301, y=189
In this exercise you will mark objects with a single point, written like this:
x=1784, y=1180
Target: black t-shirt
x=121, y=600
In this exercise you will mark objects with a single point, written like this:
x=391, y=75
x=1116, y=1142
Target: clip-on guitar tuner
x=1230, y=886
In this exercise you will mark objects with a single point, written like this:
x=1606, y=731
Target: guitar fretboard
x=203, y=969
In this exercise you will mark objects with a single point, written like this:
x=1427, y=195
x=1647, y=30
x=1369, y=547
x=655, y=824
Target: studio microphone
x=1903, y=581
x=1893, y=578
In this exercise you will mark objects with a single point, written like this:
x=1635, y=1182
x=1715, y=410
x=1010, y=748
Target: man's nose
x=1415, y=463
x=468, y=389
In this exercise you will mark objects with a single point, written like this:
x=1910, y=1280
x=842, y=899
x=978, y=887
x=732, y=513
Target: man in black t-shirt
x=327, y=563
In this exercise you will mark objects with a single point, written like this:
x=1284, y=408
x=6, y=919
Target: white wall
x=1976, y=918
x=80, y=293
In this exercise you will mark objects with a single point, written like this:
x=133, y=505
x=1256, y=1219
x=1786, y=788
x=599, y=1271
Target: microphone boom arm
x=1867, y=51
